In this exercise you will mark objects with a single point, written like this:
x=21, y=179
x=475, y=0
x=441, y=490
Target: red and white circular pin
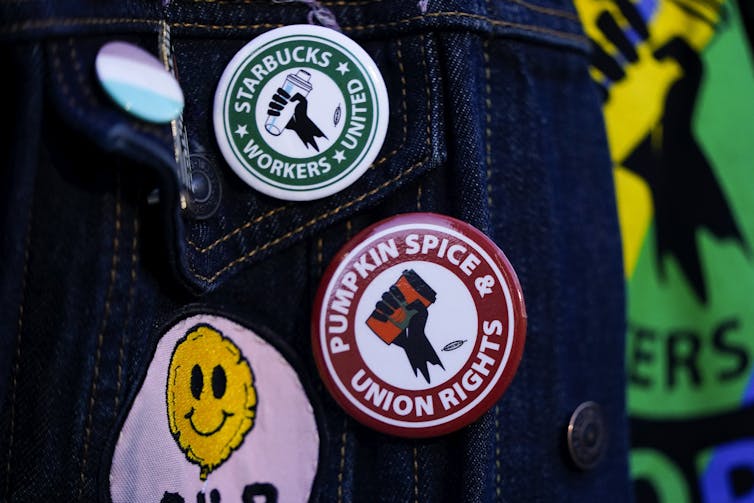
x=418, y=325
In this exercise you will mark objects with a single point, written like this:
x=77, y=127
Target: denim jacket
x=492, y=120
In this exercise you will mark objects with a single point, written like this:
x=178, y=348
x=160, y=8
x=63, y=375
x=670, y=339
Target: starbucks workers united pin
x=300, y=112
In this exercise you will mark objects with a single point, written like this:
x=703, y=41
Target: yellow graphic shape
x=634, y=212
x=636, y=103
x=211, y=399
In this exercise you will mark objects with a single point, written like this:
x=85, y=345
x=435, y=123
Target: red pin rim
x=492, y=393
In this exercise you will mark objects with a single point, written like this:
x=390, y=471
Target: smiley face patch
x=221, y=415
x=211, y=399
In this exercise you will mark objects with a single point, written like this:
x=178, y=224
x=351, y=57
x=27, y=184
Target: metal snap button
x=587, y=435
x=205, y=190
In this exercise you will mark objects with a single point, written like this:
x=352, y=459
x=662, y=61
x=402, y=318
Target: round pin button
x=138, y=82
x=418, y=325
x=300, y=112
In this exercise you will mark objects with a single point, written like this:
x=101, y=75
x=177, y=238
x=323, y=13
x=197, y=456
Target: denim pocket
x=248, y=225
x=492, y=121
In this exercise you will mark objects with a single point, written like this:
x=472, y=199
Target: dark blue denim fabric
x=492, y=120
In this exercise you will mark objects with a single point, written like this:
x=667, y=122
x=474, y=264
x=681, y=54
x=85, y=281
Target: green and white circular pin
x=300, y=112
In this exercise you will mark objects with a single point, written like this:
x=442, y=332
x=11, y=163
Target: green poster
x=678, y=84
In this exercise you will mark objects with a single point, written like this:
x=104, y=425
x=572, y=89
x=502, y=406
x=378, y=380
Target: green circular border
x=232, y=82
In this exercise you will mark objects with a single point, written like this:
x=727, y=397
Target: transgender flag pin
x=138, y=82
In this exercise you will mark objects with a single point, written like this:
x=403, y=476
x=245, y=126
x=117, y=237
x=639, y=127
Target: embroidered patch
x=220, y=416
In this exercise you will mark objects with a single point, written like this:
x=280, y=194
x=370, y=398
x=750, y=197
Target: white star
x=342, y=68
x=339, y=156
x=241, y=131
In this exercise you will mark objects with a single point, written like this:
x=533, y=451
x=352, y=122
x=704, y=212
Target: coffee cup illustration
x=400, y=317
x=295, y=83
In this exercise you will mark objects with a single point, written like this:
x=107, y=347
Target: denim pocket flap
x=245, y=225
x=248, y=224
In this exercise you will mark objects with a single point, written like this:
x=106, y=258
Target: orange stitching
x=327, y=214
x=57, y=22
x=346, y=3
x=427, y=140
x=428, y=117
x=300, y=228
x=152, y=22
x=57, y=70
x=342, y=3
x=547, y=10
x=320, y=257
x=227, y=26
x=488, y=120
x=237, y=230
x=404, y=108
x=80, y=75
x=17, y=356
x=488, y=160
x=252, y=2
x=131, y=292
x=498, y=477
x=227, y=2
x=101, y=338
x=341, y=468
x=404, y=98
x=72, y=102
x=493, y=22
x=338, y=3
x=416, y=476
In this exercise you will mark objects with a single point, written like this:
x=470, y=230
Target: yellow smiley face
x=211, y=398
